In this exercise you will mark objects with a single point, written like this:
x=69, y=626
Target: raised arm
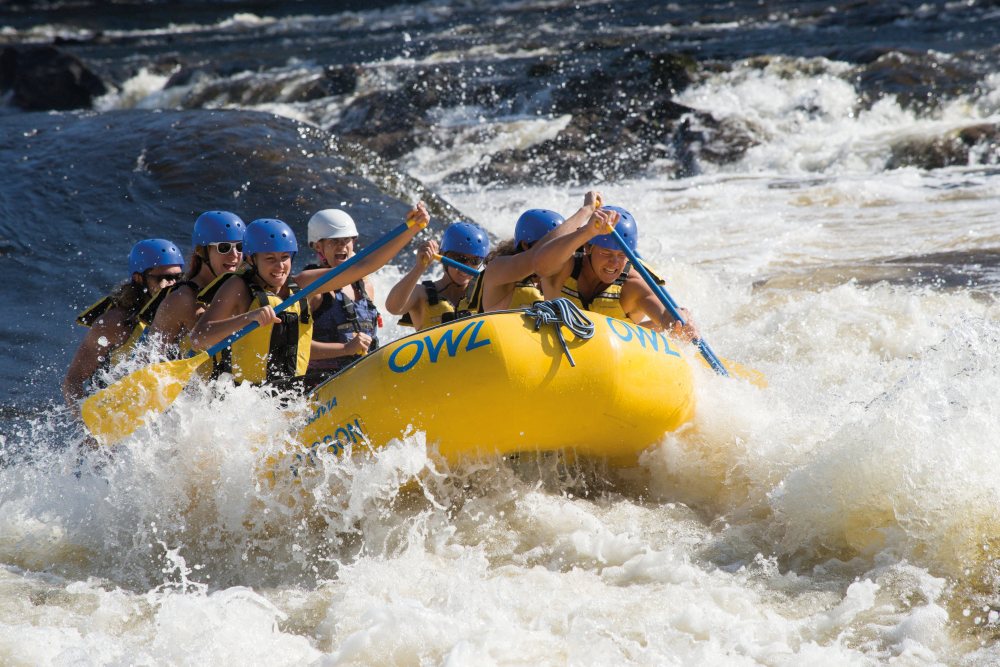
x=552, y=254
x=403, y=296
x=373, y=262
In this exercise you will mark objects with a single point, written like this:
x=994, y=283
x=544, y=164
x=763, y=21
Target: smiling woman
x=218, y=250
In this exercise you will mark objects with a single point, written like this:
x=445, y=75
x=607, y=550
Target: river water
x=825, y=200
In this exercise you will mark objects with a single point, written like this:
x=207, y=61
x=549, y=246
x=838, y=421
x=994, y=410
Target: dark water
x=374, y=81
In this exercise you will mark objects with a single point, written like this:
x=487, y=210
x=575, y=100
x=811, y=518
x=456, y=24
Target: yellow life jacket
x=438, y=309
x=273, y=354
x=525, y=293
x=605, y=302
x=94, y=312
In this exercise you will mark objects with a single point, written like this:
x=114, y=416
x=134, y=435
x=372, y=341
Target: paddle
x=448, y=261
x=668, y=302
x=119, y=409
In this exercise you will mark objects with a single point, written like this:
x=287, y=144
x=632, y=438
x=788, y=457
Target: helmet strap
x=206, y=259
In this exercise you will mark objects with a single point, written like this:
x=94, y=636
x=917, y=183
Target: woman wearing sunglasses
x=114, y=321
x=433, y=302
x=218, y=250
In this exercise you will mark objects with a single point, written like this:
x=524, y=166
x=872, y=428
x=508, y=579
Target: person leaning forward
x=599, y=278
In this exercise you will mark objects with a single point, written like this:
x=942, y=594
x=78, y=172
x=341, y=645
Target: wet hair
x=503, y=249
x=199, y=257
x=130, y=297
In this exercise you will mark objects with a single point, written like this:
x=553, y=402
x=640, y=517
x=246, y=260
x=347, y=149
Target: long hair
x=130, y=297
x=196, y=261
x=505, y=248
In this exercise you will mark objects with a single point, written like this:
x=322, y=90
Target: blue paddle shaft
x=313, y=287
x=668, y=302
x=448, y=261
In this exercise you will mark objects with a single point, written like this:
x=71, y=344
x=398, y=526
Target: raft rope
x=562, y=313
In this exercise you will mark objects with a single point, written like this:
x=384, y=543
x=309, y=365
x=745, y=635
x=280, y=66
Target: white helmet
x=331, y=223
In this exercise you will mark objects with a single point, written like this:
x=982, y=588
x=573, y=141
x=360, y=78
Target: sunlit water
x=843, y=515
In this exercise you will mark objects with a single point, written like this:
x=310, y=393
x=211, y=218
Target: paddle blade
x=119, y=409
x=751, y=375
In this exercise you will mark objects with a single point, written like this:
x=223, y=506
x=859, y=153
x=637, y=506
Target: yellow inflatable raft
x=498, y=384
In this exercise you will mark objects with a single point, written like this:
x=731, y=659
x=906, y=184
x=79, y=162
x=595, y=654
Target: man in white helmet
x=345, y=324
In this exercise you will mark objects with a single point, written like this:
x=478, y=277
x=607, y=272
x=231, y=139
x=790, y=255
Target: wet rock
x=622, y=116
x=623, y=119
x=44, y=78
x=339, y=80
x=917, y=80
x=975, y=144
x=383, y=122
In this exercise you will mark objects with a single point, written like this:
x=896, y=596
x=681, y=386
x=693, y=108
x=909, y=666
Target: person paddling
x=217, y=240
x=599, y=278
x=508, y=280
x=346, y=320
x=113, y=321
x=278, y=352
x=433, y=302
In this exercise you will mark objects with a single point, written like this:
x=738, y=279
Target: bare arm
x=227, y=314
x=552, y=255
x=175, y=317
x=404, y=295
x=357, y=345
x=111, y=328
x=503, y=272
x=639, y=301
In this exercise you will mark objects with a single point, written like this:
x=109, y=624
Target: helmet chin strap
x=256, y=272
x=208, y=262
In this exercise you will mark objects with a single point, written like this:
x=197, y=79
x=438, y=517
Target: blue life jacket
x=338, y=318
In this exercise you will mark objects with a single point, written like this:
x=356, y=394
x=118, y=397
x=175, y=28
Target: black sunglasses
x=165, y=277
x=225, y=246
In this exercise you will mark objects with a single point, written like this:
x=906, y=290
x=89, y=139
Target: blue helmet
x=269, y=235
x=626, y=228
x=153, y=252
x=534, y=224
x=217, y=227
x=465, y=238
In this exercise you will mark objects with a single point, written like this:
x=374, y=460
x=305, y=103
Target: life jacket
x=525, y=293
x=438, y=310
x=92, y=313
x=148, y=314
x=338, y=319
x=267, y=355
x=605, y=302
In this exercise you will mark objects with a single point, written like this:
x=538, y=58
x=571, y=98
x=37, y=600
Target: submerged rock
x=44, y=78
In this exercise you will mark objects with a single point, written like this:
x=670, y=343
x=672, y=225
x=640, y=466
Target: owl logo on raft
x=642, y=335
x=409, y=354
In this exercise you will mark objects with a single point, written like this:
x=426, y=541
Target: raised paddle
x=119, y=409
x=448, y=261
x=668, y=302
